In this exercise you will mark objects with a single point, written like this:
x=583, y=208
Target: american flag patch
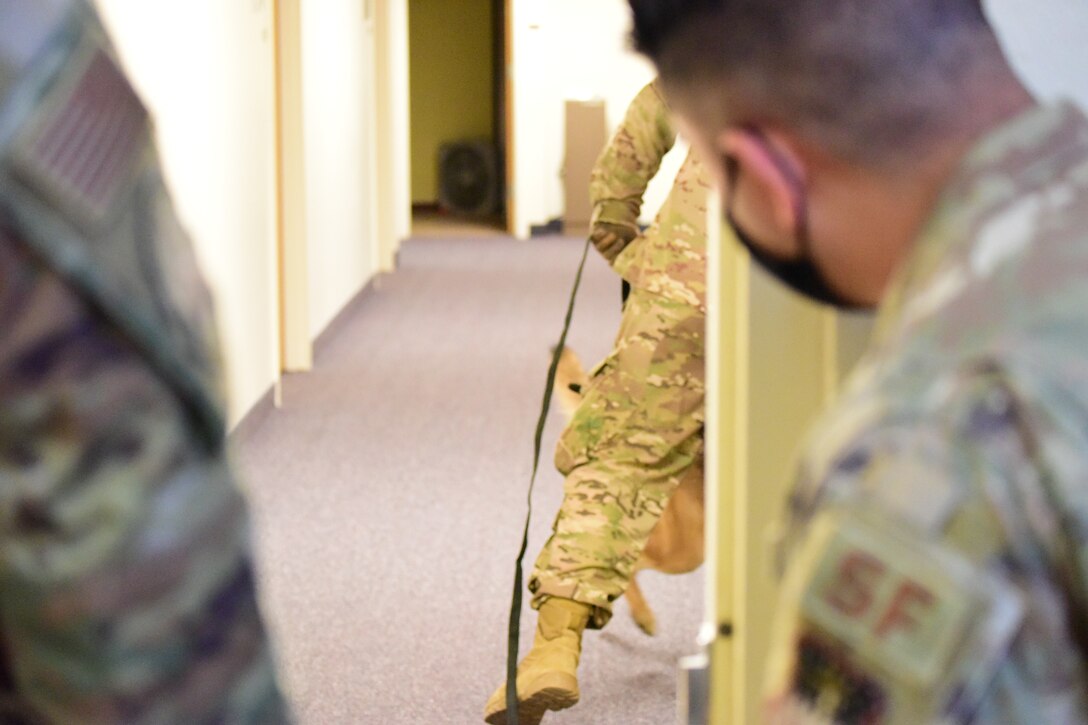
x=81, y=145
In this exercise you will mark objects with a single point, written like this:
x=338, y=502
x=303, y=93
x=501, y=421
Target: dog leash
x=514, y=630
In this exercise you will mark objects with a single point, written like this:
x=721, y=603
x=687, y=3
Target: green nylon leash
x=514, y=630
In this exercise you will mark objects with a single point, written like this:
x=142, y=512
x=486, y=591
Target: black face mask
x=801, y=274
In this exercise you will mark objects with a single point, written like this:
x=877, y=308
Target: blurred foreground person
x=126, y=586
x=884, y=154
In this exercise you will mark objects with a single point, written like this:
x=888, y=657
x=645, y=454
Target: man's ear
x=762, y=167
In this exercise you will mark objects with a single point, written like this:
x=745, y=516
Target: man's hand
x=611, y=239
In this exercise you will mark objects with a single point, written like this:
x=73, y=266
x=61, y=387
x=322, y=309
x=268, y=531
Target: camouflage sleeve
x=126, y=587
x=918, y=590
x=127, y=592
x=631, y=159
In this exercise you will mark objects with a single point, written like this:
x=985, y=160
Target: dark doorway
x=458, y=113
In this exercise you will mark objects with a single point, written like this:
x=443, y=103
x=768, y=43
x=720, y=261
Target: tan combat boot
x=548, y=676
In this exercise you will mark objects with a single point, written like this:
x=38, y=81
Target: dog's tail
x=570, y=381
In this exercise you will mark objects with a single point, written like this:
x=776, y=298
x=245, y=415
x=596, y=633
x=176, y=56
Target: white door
x=338, y=123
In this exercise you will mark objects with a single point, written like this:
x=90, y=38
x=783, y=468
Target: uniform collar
x=1015, y=156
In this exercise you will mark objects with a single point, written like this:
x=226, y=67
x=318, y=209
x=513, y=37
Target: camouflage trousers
x=635, y=434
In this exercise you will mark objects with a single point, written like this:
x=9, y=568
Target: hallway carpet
x=388, y=496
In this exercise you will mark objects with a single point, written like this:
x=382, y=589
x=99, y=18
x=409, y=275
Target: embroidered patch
x=79, y=149
x=886, y=626
x=888, y=603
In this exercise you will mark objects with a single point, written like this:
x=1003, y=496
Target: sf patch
x=881, y=624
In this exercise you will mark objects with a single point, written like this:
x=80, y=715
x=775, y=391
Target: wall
x=569, y=49
x=1046, y=41
x=338, y=117
x=204, y=68
x=578, y=49
x=450, y=42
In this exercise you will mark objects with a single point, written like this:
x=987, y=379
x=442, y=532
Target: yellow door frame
x=392, y=117
x=726, y=460
x=511, y=148
x=296, y=346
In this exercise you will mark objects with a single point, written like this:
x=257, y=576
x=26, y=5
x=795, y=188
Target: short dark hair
x=868, y=79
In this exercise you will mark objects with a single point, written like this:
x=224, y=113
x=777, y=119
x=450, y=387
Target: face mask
x=801, y=274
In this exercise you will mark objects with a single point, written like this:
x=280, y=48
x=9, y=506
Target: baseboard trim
x=255, y=418
x=552, y=227
x=350, y=308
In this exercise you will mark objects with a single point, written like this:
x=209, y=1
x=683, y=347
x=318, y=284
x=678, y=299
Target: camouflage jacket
x=127, y=591
x=670, y=258
x=938, y=541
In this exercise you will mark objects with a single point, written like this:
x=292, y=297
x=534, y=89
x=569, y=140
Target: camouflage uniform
x=639, y=427
x=939, y=528
x=126, y=587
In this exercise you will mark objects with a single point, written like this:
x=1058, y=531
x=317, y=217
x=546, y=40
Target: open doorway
x=458, y=124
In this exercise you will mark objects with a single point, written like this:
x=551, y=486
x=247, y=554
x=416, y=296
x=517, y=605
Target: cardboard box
x=586, y=136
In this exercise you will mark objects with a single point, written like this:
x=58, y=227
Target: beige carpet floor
x=388, y=496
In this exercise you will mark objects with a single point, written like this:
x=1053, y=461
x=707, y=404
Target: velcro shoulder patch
x=78, y=148
x=885, y=622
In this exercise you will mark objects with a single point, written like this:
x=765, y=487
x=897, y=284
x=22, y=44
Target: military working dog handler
x=639, y=426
